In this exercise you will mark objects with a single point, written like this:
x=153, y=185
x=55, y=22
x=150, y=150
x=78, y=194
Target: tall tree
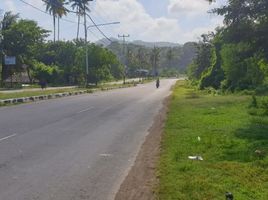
x=155, y=56
x=26, y=37
x=85, y=9
x=238, y=55
x=61, y=11
x=77, y=6
x=141, y=56
x=54, y=7
x=8, y=20
x=169, y=56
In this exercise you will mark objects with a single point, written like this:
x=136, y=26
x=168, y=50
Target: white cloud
x=140, y=25
x=194, y=7
x=137, y=22
x=10, y=5
x=195, y=34
x=184, y=20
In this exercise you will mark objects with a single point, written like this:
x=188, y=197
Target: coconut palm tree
x=155, y=57
x=85, y=9
x=169, y=56
x=8, y=19
x=61, y=11
x=57, y=9
x=52, y=7
x=81, y=7
x=77, y=6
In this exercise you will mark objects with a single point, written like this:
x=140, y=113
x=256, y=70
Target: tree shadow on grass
x=250, y=143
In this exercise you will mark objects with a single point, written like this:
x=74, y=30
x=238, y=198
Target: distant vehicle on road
x=157, y=83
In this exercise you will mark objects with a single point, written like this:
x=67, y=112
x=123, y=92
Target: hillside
x=172, y=56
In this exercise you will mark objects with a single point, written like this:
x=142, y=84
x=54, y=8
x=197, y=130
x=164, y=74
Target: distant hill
x=155, y=44
x=105, y=43
x=182, y=55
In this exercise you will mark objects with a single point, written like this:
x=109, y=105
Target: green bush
x=253, y=103
x=49, y=74
x=258, y=108
x=261, y=90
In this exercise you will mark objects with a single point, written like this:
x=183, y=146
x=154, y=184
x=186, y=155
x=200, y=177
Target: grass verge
x=55, y=91
x=233, y=145
x=36, y=93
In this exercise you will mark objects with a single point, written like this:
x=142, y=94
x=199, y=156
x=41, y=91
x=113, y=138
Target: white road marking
x=105, y=155
x=90, y=108
x=5, y=138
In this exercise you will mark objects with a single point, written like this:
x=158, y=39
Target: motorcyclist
x=157, y=83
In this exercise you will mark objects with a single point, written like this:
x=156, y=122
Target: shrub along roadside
x=233, y=145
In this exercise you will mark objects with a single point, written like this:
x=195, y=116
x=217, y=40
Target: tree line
x=235, y=56
x=164, y=60
x=54, y=62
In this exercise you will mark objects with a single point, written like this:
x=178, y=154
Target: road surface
x=75, y=148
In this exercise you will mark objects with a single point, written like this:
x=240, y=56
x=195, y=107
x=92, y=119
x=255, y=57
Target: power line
x=66, y=20
x=105, y=14
x=100, y=20
x=98, y=28
x=124, y=44
x=99, y=39
x=45, y=11
x=57, y=5
x=124, y=52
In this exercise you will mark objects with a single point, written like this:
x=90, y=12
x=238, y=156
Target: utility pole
x=88, y=27
x=124, y=53
x=86, y=43
x=86, y=34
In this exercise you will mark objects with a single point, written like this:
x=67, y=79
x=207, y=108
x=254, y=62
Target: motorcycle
x=157, y=83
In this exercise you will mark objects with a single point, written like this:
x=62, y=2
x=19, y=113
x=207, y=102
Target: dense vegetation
x=168, y=59
x=235, y=57
x=57, y=63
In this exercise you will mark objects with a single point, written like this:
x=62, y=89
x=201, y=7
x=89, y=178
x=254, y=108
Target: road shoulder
x=141, y=180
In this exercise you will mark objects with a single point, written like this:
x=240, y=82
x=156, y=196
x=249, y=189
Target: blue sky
x=155, y=9
x=149, y=20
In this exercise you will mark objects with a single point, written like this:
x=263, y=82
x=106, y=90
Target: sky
x=177, y=21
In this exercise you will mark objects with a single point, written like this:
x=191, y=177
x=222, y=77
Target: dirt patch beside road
x=141, y=179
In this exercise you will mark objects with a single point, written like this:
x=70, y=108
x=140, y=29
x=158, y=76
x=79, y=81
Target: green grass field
x=229, y=139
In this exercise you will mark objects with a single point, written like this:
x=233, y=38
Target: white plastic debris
x=195, y=158
x=199, y=139
x=105, y=155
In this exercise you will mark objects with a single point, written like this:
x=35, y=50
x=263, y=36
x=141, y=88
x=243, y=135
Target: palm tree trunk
x=78, y=27
x=85, y=26
x=78, y=24
x=54, y=26
x=58, y=28
x=29, y=75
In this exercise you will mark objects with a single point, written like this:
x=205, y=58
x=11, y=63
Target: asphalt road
x=75, y=148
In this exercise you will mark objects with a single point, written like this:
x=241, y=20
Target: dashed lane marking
x=5, y=138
